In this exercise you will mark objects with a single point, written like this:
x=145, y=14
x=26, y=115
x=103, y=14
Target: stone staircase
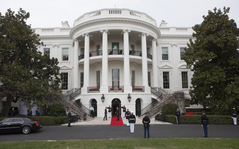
x=163, y=98
x=81, y=112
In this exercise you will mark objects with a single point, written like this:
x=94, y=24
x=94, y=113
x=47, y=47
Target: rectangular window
x=82, y=51
x=165, y=79
x=149, y=79
x=98, y=79
x=131, y=51
x=184, y=79
x=47, y=52
x=148, y=50
x=133, y=78
x=98, y=50
x=181, y=53
x=81, y=79
x=115, y=78
x=65, y=54
x=164, y=53
x=64, y=81
x=115, y=48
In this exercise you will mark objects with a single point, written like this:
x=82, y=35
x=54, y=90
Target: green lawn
x=164, y=143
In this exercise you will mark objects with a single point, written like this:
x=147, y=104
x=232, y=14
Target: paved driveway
x=122, y=132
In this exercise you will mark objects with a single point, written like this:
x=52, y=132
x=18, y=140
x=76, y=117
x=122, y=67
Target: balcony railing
x=114, y=52
x=138, y=88
x=116, y=89
x=93, y=89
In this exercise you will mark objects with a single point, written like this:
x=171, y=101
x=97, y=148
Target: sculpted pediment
x=65, y=67
x=166, y=67
x=183, y=66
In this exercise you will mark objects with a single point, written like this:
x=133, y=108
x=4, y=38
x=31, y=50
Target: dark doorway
x=138, y=107
x=116, y=103
x=94, y=105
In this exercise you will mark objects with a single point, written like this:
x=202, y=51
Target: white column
x=104, y=85
x=76, y=65
x=155, y=68
x=144, y=62
x=127, y=85
x=86, y=63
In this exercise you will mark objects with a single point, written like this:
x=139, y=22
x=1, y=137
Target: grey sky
x=177, y=13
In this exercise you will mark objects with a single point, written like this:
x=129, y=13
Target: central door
x=116, y=103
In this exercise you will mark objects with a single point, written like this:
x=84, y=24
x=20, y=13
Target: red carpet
x=114, y=121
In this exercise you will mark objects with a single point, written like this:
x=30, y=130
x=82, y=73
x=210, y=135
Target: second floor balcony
x=115, y=52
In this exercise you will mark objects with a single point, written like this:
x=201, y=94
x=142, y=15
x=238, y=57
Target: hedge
x=196, y=119
x=48, y=120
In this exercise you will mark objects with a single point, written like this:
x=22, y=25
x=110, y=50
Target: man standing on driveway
x=177, y=115
x=132, y=120
x=204, y=122
x=69, y=118
x=146, y=122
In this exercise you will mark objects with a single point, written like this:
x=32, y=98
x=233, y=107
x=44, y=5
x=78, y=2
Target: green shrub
x=50, y=120
x=169, y=109
x=196, y=119
x=57, y=108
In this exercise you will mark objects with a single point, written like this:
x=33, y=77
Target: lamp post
x=129, y=97
x=102, y=98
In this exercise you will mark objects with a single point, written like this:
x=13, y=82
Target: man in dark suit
x=12, y=112
x=146, y=122
x=117, y=113
x=69, y=118
x=177, y=115
x=105, y=117
x=204, y=122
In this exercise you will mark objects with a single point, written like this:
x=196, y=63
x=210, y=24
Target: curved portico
x=121, y=45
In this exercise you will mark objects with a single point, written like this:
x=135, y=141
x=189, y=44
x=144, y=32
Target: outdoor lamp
x=102, y=98
x=129, y=97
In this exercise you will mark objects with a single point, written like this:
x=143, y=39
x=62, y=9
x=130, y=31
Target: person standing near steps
x=105, y=117
x=127, y=114
x=69, y=118
x=117, y=113
x=132, y=120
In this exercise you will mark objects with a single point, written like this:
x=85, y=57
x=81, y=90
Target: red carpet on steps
x=114, y=121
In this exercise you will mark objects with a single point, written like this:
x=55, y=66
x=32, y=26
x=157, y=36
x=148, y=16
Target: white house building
x=117, y=56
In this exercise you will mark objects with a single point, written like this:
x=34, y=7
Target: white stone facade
x=118, y=48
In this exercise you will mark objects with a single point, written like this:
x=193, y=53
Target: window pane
x=64, y=81
x=184, y=79
x=181, y=53
x=164, y=53
x=98, y=79
x=65, y=54
x=165, y=79
x=149, y=79
x=47, y=52
x=115, y=78
x=133, y=78
x=81, y=79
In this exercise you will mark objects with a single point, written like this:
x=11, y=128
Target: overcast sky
x=177, y=13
